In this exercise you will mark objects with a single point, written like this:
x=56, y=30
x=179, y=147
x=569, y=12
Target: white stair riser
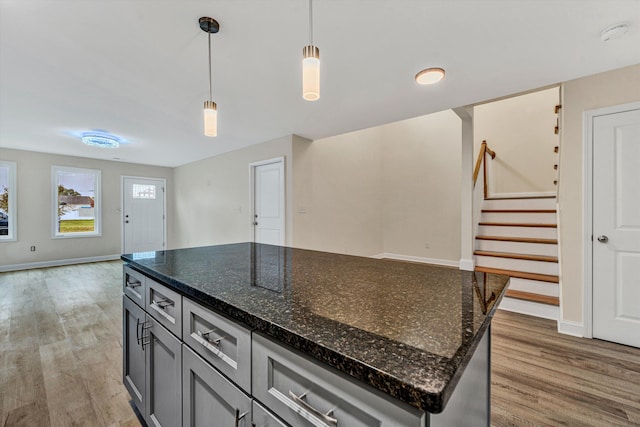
x=545, y=311
x=546, y=203
x=538, y=218
x=517, y=247
x=523, y=265
x=534, y=287
x=508, y=231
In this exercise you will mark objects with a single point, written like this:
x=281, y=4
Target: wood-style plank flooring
x=61, y=360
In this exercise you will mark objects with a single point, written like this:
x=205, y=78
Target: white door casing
x=268, y=194
x=616, y=227
x=143, y=214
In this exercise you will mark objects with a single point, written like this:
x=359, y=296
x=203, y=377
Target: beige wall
x=213, y=196
x=389, y=189
x=339, y=209
x=35, y=208
x=601, y=90
x=421, y=182
x=521, y=132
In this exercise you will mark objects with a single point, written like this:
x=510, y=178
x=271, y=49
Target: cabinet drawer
x=223, y=343
x=263, y=418
x=304, y=393
x=208, y=398
x=165, y=306
x=133, y=285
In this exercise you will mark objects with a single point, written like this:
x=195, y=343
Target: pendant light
x=210, y=26
x=311, y=65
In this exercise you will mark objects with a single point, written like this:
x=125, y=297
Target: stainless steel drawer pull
x=133, y=283
x=162, y=303
x=205, y=335
x=141, y=327
x=239, y=416
x=326, y=418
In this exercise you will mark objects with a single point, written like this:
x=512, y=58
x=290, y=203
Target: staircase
x=518, y=238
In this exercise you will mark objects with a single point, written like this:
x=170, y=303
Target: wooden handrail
x=480, y=162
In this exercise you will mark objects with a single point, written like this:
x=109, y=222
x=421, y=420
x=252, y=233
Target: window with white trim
x=8, y=186
x=76, y=202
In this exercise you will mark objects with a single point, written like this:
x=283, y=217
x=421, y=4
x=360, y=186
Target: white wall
x=35, y=208
x=213, y=196
x=601, y=90
x=521, y=132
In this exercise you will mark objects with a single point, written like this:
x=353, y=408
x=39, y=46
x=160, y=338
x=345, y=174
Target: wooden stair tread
x=519, y=239
x=528, y=296
x=519, y=210
x=527, y=257
x=518, y=224
x=520, y=274
x=520, y=198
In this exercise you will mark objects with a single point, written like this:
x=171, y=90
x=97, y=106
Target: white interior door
x=143, y=214
x=269, y=215
x=616, y=227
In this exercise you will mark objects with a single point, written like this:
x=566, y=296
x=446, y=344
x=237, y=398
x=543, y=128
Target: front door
x=143, y=214
x=616, y=227
x=268, y=202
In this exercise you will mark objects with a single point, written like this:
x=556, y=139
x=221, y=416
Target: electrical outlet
x=426, y=245
x=33, y=248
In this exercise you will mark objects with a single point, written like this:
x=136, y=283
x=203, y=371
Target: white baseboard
x=530, y=308
x=568, y=327
x=435, y=261
x=467, y=264
x=59, y=262
x=521, y=195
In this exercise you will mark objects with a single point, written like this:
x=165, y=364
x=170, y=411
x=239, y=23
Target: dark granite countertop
x=405, y=329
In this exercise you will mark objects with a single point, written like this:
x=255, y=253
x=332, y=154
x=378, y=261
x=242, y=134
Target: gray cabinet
x=304, y=393
x=133, y=361
x=152, y=355
x=165, y=305
x=264, y=418
x=223, y=343
x=163, y=376
x=133, y=285
x=208, y=398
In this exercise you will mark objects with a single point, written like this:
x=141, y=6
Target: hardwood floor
x=61, y=347
x=61, y=360
x=542, y=378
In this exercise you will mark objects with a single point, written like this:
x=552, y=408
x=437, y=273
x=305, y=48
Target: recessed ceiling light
x=102, y=140
x=614, y=32
x=429, y=76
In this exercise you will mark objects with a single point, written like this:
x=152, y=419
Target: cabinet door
x=263, y=418
x=208, y=398
x=133, y=361
x=133, y=285
x=164, y=376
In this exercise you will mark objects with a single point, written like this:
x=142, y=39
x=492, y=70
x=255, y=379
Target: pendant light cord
x=311, y=22
x=210, y=91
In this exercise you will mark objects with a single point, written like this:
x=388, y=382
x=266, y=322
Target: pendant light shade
x=210, y=26
x=311, y=73
x=210, y=118
x=311, y=65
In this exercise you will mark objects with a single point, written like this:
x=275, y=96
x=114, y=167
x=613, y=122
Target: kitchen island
x=306, y=337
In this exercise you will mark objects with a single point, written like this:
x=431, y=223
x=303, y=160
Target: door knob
x=255, y=223
x=603, y=239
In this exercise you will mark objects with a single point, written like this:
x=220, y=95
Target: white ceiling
x=138, y=68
